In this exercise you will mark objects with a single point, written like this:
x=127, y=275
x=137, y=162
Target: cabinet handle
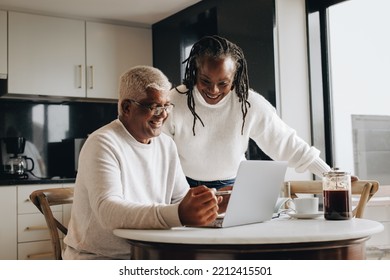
x=40, y=256
x=80, y=68
x=91, y=77
x=36, y=228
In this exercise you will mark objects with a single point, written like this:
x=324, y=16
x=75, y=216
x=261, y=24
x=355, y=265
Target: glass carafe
x=336, y=186
x=16, y=165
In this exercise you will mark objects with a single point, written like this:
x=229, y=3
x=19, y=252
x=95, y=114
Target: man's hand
x=198, y=207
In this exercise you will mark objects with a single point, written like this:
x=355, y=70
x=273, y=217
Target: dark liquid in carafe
x=337, y=205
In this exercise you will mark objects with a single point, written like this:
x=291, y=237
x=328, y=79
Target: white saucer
x=306, y=216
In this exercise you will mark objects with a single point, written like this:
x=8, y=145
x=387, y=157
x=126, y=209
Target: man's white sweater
x=122, y=183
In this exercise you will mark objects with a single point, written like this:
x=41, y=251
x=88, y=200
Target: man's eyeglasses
x=155, y=110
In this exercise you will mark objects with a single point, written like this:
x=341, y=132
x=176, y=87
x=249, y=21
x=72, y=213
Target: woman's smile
x=212, y=96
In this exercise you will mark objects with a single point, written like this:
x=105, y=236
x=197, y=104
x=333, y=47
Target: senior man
x=130, y=175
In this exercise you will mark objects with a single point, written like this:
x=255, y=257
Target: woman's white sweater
x=215, y=151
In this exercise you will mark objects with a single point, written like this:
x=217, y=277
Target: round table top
x=276, y=231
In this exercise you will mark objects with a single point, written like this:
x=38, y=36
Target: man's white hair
x=137, y=80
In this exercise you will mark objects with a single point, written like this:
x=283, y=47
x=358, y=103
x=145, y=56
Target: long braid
x=189, y=81
x=217, y=48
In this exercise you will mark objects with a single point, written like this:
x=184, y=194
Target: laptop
x=255, y=192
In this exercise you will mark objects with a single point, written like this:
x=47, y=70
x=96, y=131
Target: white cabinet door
x=46, y=55
x=32, y=231
x=8, y=229
x=111, y=50
x=38, y=250
x=3, y=44
x=33, y=227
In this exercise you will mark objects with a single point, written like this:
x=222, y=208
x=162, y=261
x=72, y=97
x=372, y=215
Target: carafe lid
x=335, y=171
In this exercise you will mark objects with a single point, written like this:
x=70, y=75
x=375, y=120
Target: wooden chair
x=363, y=189
x=45, y=198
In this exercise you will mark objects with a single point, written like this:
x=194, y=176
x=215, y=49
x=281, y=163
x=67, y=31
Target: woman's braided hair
x=216, y=47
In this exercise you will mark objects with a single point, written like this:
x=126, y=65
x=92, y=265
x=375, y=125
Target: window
x=350, y=69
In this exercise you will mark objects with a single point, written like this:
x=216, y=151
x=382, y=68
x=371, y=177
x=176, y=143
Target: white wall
x=292, y=73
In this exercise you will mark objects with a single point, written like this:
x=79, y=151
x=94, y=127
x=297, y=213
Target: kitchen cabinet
x=3, y=44
x=33, y=234
x=72, y=58
x=46, y=55
x=8, y=228
x=24, y=234
x=111, y=50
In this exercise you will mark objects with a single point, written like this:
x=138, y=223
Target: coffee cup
x=306, y=205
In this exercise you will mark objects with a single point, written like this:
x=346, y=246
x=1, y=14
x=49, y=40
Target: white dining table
x=283, y=238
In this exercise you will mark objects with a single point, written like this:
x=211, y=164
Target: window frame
x=319, y=76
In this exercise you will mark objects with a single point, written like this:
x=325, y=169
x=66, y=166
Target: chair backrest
x=45, y=198
x=364, y=189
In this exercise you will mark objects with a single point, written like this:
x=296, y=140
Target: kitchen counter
x=34, y=181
